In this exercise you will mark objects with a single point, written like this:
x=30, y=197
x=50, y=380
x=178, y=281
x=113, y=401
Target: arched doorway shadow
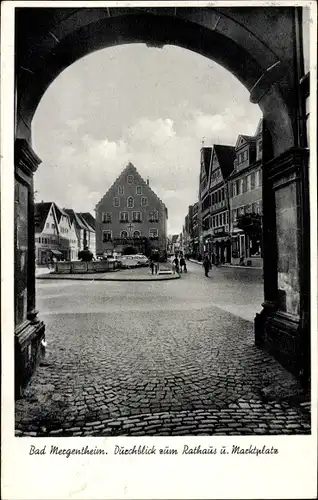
x=247, y=42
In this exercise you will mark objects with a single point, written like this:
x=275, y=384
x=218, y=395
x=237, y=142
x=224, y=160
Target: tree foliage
x=85, y=255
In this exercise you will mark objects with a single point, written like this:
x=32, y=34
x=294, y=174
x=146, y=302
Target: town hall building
x=130, y=216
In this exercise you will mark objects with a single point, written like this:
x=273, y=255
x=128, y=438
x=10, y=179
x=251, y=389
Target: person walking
x=207, y=265
x=176, y=263
x=183, y=264
x=152, y=266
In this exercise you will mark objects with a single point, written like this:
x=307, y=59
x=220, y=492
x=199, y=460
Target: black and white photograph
x=162, y=223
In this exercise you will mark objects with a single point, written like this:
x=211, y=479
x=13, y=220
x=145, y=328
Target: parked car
x=128, y=261
x=142, y=260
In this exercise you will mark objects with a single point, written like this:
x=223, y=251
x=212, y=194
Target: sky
x=132, y=103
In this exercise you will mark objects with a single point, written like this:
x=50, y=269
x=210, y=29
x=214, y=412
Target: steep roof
x=226, y=156
x=41, y=211
x=207, y=153
x=130, y=168
x=59, y=212
x=88, y=218
x=74, y=217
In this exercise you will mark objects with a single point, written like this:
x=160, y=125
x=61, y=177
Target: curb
x=229, y=266
x=77, y=278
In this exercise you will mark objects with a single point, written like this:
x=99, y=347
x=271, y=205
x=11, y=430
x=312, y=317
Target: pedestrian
x=207, y=265
x=182, y=264
x=152, y=266
x=176, y=263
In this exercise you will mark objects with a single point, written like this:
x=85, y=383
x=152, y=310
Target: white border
x=291, y=474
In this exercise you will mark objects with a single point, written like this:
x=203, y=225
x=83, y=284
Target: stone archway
x=262, y=48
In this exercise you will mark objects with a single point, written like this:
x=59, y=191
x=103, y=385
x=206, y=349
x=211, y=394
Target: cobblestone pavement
x=157, y=358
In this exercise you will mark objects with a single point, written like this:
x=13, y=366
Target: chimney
x=147, y=181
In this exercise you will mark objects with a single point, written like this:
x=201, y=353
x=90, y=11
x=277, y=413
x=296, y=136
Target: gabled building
x=82, y=231
x=64, y=228
x=205, y=198
x=245, y=190
x=130, y=216
x=196, y=225
x=47, y=243
x=222, y=164
x=89, y=232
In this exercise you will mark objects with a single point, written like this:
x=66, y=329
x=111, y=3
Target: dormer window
x=130, y=179
x=130, y=202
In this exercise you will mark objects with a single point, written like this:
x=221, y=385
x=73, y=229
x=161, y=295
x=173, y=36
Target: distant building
x=82, y=226
x=89, y=233
x=205, y=200
x=130, y=216
x=46, y=223
x=245, y=190
x=222, y=164
x=195, y=214
x=61, y=233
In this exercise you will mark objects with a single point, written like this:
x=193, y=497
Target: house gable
x=129, y=189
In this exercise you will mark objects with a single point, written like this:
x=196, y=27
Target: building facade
x=47, y=244
x=222, y=164
x=206, y=232
x=245, y=190
x=130, y=215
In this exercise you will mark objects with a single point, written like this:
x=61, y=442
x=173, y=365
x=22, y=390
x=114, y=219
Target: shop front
x=221, y=247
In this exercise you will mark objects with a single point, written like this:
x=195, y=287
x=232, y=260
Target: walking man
x=207, y=265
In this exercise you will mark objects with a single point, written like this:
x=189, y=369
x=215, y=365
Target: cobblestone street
x=158, y=358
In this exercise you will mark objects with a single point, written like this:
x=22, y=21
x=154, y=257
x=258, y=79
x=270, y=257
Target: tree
x=85, y=255
x=251, y=224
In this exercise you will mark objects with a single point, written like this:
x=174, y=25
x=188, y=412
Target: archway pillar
x=29, y=330
x=283, y=327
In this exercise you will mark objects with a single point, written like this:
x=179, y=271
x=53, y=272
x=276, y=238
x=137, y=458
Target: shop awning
x=56, y=252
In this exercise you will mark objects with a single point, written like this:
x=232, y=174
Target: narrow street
x=158, y=358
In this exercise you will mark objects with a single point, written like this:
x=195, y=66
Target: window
x=227, y=218
x=121, y=190
x=136, y=216
x=144, y=201
x=234, y=191
x=130, y=179
x=116, y=202
x=138, y=190
x=248, y=183
x=130, y=202
x=241, y=186
x=106, y=217
x=107, y=236
x=124, y=234
x=153, y=233
x=245, y=155
x=123, y=216
x=136, y=234
x=47, y=225
x=53, y=226
x=234, y=215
